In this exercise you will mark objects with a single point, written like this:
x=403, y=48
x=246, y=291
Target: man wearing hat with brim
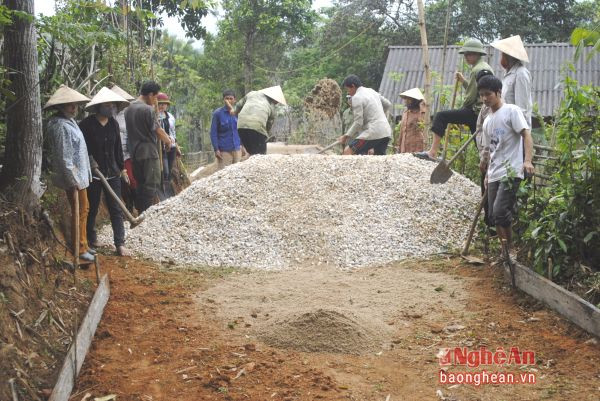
x=167, y=122
x=256, y=113
x=516, y=84
x=410, y=138
x=101, y=132
x=473, y=52
x=128, y=187
x=70, y=163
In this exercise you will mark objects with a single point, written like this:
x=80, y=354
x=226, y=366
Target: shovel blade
x=441, y=173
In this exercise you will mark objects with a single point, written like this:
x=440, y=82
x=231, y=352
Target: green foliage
x=183, y=74
x=189, y=12
x=582, y=37
x=561, y=222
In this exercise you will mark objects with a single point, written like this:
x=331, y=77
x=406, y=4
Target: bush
x=560, y=223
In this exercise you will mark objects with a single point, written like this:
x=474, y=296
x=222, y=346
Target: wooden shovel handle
x=465, y=250
x=447, y=133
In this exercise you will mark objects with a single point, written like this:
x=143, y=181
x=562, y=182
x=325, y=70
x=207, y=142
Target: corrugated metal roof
x=404, y=70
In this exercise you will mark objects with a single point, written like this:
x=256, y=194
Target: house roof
x=404, y=70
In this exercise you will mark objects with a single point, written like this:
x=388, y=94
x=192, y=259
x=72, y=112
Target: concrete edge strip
x=569, y=305
x=78, y=350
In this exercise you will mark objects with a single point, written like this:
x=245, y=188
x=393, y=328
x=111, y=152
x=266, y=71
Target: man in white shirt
x=369, y=110
x=505, y=132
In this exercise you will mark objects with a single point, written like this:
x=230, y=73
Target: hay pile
x=279, y=211
x=321, y=118
x=324, y=99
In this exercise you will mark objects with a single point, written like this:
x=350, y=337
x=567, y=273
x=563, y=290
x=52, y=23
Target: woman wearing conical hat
x=256, y=114
x=410, y=138
x=101, y=132
x=70, y=163
x=516, y=84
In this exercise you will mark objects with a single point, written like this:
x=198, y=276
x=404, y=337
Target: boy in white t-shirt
x=505, y=134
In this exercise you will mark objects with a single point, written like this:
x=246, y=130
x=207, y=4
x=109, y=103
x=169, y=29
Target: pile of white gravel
x=281, y=211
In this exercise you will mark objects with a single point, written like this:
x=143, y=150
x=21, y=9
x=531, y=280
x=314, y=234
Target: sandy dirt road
x=242, y=335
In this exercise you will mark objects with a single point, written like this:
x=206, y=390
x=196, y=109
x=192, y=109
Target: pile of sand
x=325, y=330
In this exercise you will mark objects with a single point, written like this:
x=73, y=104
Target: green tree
x=263, y=30
x=22, y=166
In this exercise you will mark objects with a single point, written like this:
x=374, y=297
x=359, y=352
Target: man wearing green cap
x=473, y=52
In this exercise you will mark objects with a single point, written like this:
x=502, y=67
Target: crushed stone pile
x=324, y=330
x=280, y=211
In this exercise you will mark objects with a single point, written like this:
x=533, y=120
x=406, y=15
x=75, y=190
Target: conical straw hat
x=275, y=93
x=64, y=95
x=119, y=91
x=512, y=46
x=106, y=95
x=414, y=93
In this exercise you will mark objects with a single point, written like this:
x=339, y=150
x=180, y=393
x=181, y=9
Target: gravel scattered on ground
x=279, y=211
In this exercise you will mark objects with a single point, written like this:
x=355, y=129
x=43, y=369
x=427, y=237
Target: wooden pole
x=75, y=222
x=425, y=63
x=445, y=51
x=446, y=139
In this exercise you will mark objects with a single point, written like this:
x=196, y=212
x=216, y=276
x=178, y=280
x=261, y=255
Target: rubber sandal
x=424, y=156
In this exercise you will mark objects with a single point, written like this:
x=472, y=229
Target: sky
x=172, y=26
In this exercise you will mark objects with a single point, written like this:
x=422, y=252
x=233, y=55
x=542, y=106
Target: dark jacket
x=104, y=144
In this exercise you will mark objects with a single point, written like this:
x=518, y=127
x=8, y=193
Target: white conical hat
x=119, y=91
x=414, y=93
x=64, y=95
x=275, y=93
x=106, y=95
x=512, y=46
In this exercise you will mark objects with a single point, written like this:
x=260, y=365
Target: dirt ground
x=204, y=334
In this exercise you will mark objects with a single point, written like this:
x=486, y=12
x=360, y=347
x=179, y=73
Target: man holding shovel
x=370, y=123
x=256, y=114
x=103, y=139
x=70, y=163
x=509, y=136
x=473, y=52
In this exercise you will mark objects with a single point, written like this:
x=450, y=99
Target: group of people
x=133, y=139
x=122, y=139
x=240, y=128
x=498, y=112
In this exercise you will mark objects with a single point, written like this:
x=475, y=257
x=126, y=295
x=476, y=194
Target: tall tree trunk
x=248, y=56
x=425, y=63
x=20, y=176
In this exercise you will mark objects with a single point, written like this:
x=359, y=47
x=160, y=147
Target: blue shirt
x=223, y=131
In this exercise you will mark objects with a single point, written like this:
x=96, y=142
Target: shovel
x=447, y=136
x=465, y=250
x=132, y=220
x=325, y=149
x=442, y=173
